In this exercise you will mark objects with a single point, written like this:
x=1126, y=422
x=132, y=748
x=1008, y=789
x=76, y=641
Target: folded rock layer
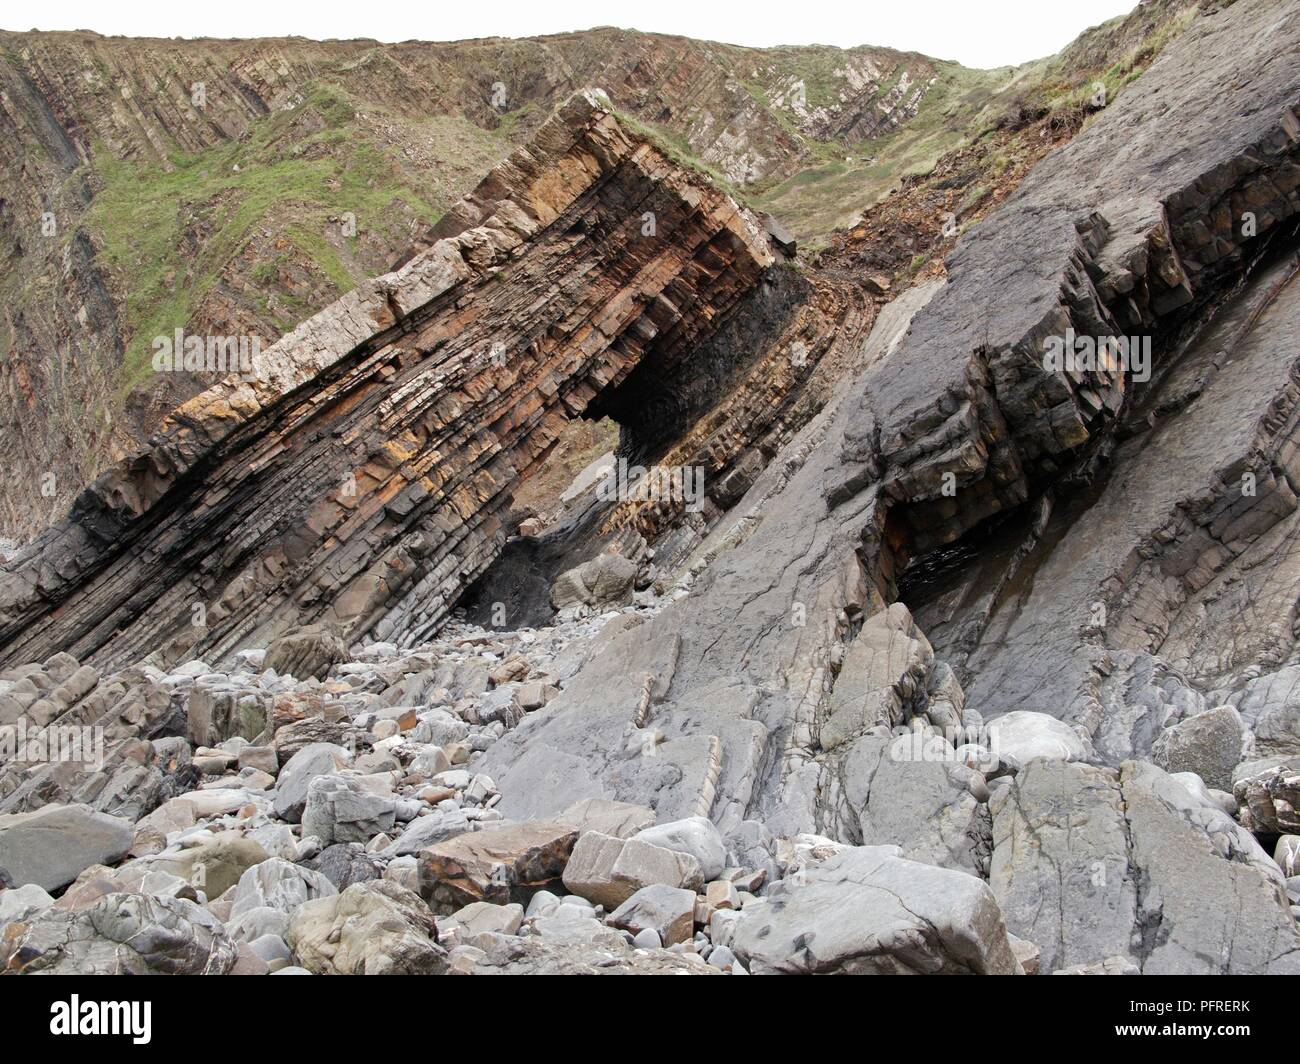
x=361, y=473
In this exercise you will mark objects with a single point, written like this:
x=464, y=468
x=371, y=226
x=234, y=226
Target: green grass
x=276, y=179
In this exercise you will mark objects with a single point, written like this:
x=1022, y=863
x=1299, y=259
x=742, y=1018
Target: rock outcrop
x=361, y=475
x=976, y=656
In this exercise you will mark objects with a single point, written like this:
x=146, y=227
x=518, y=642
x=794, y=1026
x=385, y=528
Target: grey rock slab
x=697, y=836
x=1199, y=912
x=1060, y=866
x=867, y=910
x=313, y=760
x=667, y=911
x=52, y=845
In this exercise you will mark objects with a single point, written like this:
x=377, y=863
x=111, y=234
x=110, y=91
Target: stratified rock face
x=1126, y=230
x=361, y=475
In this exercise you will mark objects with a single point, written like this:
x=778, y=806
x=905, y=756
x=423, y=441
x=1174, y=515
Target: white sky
x=980, y=33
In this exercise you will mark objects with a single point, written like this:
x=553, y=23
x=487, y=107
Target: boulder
x=1208, y=744
x=313, y=760
x=1024, y=735
x=668, y=911
x=499, y=865
x=425, y=831
x=483, y=917
x=1216, y=897
x=1060, y=867
x=697, y=836
x=606, y=580
x=884, y=673
x=277, y=884
x=22, y=903
x=307, y=652
x=345, y=863
x=607, y=870
x=125, y=934
x=217, y=713
x=214, y=865
x=927, y=807
x=1269, y=792
x=375, y=928
x=54, y=844
x=866, y=910
x=340, y=809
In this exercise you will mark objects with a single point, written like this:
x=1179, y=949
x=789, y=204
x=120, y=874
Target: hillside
x=232, y=188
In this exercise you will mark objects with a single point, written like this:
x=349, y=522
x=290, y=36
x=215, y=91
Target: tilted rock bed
x=1043, y=722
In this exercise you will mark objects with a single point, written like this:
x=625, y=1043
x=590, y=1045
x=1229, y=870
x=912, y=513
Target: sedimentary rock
x=132, y=934
x=608, y=870
x=498, y=865
x=53, y=845
x=1115, y=247
x=361, y=476
x=866, y=910
x=370, y=929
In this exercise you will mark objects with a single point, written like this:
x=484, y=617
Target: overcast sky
x=982, y=33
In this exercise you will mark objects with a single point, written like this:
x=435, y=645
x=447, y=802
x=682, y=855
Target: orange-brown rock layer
x=360, y=475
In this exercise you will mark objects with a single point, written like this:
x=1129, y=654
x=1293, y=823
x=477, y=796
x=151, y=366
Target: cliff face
x=233, y=188
x=359, y=472
x=991, y=583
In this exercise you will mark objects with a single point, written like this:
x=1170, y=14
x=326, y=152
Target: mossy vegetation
x=168, y=231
